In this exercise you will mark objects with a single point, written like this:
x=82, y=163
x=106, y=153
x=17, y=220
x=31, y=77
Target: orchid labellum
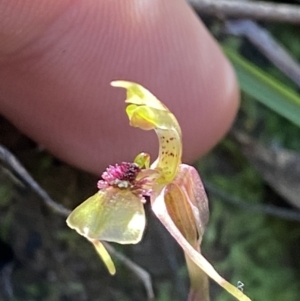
x=116, y=214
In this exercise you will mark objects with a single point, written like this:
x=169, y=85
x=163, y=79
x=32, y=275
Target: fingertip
x=63, y=100
x=23, y=21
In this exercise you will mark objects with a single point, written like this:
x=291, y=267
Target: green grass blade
x=266, y=89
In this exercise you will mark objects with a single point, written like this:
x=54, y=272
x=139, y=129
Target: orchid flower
x=115, y=213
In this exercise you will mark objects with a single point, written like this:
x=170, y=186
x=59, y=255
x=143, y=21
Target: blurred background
x=252, y=179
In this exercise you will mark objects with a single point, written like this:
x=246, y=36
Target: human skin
x=57, y=59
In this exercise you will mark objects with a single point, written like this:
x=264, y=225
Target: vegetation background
x=252, y=179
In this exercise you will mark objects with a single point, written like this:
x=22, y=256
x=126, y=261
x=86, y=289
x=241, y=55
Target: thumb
x=57, y=60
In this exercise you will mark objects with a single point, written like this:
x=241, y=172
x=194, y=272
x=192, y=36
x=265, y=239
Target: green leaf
x=264, y=88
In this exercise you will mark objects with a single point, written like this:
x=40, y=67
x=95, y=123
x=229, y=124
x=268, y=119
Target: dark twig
x=10, y=162
x=5, y=281
x=267, y=45
x=136, y=269
x=258, y=10
x=263, y=209
x=13, y=165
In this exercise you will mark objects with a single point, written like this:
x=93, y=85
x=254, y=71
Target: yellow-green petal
x=102, y=252
x=112, y=214
x=137, y=94
x=147, y=112
x=142, y=160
